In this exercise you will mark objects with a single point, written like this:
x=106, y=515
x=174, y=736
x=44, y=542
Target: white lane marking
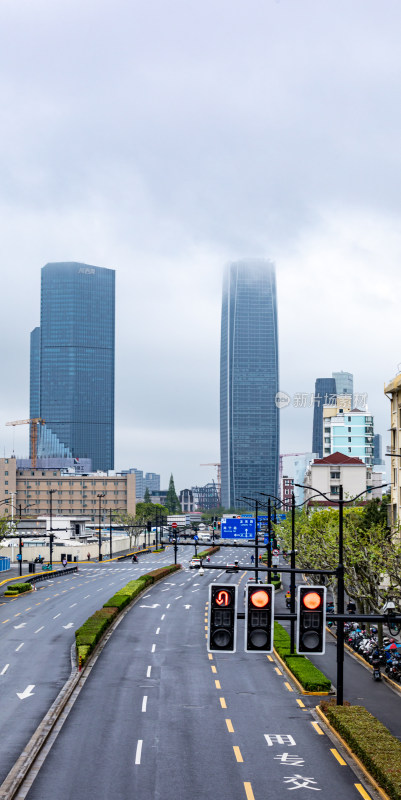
x=144, y=701
x=86, y=596
x=19, y=647
x=149, y=670
x=162, y=616
x=27, y=692
x=165, y=590
x=40, y=629
x=138, y=751
x=69, y=625
x=21, y=625
x=146, y=596
x=195, y=590
x=187, y=607
x=182, y=584
x=4, y=669
x=157, y=631
x=153, y=606
x=179, y=597
x=153, y=648
x=57, y=615
x=74, y=604
x=168, y=605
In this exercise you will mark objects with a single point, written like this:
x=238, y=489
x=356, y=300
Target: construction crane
x=218, y=465
x=33, y=434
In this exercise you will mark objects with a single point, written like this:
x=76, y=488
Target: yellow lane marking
x=287, y=685
x=205, y=635
x=29, y=608
x=210, y=656
x=47, y=599
x=270, y=658
x=237, y=753
x=300, y=703
x=223, y=702
x=17, y=615
x=248, y=791
x=229, y=726
x=205, y=627
x=214, y=669
x=4, y=621
x=339, y=758
x=317, y=728
x=217, y=683
x=362, y=791
x=38, y=604
x=276, y=669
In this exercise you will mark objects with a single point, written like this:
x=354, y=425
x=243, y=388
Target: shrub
x=372, y=743
x=19, y=587
x=309, y=676
x=10, y=593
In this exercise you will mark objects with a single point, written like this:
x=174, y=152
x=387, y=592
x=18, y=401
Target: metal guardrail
x=44, y=576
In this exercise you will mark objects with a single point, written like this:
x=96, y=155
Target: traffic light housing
x=259, y=618
x=222, y=623
x=311, y=620
x=214, y=523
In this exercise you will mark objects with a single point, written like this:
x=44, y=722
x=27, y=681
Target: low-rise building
x=326, y=475
x=41, y=492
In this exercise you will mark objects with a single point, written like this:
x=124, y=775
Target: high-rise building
x=325, y=391
x=72, y=364
x=348, y=430
x=249, y=416
x=344, y=382
x=378, y=461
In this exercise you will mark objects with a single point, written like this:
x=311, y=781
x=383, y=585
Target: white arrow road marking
x=27, y=692
x=4, y=669
x=187, y=606
x=22, y=625
x=70, y=625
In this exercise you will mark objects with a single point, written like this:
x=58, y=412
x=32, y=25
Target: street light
x=100, y=495
x=340, y=576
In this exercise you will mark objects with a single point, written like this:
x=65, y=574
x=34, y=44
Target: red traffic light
x=312, y=600
x=223, y=598
x=259, y=598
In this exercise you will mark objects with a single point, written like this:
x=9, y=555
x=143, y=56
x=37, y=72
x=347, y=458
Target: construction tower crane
x=218, y=465
x=33, y=435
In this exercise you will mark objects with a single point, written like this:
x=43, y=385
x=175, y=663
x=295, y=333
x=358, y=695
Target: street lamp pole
x=51, y=493
x=292, y=578
x=100, y=495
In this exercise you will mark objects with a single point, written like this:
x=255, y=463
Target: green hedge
x=88, y=635
x=309, y=676
x=18, y=588
x=206, y=553
x=372, y=743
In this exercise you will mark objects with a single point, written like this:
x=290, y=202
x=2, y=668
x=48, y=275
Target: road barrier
x=44, y=576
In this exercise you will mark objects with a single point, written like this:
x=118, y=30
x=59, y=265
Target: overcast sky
x=165, y=138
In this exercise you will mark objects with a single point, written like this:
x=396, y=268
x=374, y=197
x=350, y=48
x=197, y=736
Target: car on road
x=232, y=567
x=195, y=562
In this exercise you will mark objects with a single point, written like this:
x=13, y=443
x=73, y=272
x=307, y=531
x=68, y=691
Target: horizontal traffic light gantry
x=311, y=620
x=259, y=618
x=222, y=625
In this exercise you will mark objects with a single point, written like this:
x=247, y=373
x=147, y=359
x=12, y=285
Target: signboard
x=262, y=521
x=275, y=561
x=243, y=528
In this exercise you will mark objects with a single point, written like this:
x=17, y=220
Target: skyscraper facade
x=325, y=391
x=344, y=382
x=249, y=417
x=72, y=363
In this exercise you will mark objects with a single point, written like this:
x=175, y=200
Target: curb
x=296, y=681
x=355, y=758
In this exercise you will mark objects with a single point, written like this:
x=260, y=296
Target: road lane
x=159, y=716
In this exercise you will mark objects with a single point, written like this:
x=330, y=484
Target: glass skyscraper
x=249, y=417
x=72, y=363
x=325, y=392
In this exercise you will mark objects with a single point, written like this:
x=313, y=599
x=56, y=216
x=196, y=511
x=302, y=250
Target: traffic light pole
x=269, y=542
x=292, y=579
x=340, y=600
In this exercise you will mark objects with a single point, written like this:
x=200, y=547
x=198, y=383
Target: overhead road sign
x=243, y=528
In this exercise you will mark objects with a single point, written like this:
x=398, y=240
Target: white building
x=327, y=474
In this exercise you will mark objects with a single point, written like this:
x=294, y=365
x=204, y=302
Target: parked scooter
x=375, y=661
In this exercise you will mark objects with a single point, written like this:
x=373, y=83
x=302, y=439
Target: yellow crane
x=33, y=434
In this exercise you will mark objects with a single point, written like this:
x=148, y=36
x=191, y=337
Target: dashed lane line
x=339, y=758
x=317, y=728
x=138, y=751
x=237, y=753
x=230, y=727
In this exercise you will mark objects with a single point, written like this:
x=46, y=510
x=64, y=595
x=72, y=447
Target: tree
x=172, y=501
x=145, y=511
x=129, y=522
x=147, y=496
x=7, y=528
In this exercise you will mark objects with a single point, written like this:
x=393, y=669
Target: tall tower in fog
x=249, y=417
x=72, y=363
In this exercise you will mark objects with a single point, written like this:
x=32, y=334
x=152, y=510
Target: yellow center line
x=300, y=703
x=4, y=621
x=339, y=758
x=223, y=702
x=214, y=669
x=317, y=728
x=248, y=791
x=29, y=608
x=217, y=684
x=229, y=726
x=17, y=615
x=210, y=656
x=362, y=791
x=276, y=669
x=237, y=753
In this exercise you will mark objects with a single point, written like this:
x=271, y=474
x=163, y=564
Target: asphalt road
x=36, y=636
x=160, y=717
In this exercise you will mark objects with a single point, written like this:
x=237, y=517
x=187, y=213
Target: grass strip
x=88, y=635
x=371, y=742
x=309, y=676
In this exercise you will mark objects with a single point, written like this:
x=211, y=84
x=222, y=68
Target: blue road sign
x=243, y=528
x=196, y=538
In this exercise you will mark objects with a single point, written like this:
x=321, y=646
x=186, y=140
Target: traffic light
x=259, y=618
x=214, y=523
x=311, y=620
x=222, y=628
x=22, y=544
x=149, y=526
